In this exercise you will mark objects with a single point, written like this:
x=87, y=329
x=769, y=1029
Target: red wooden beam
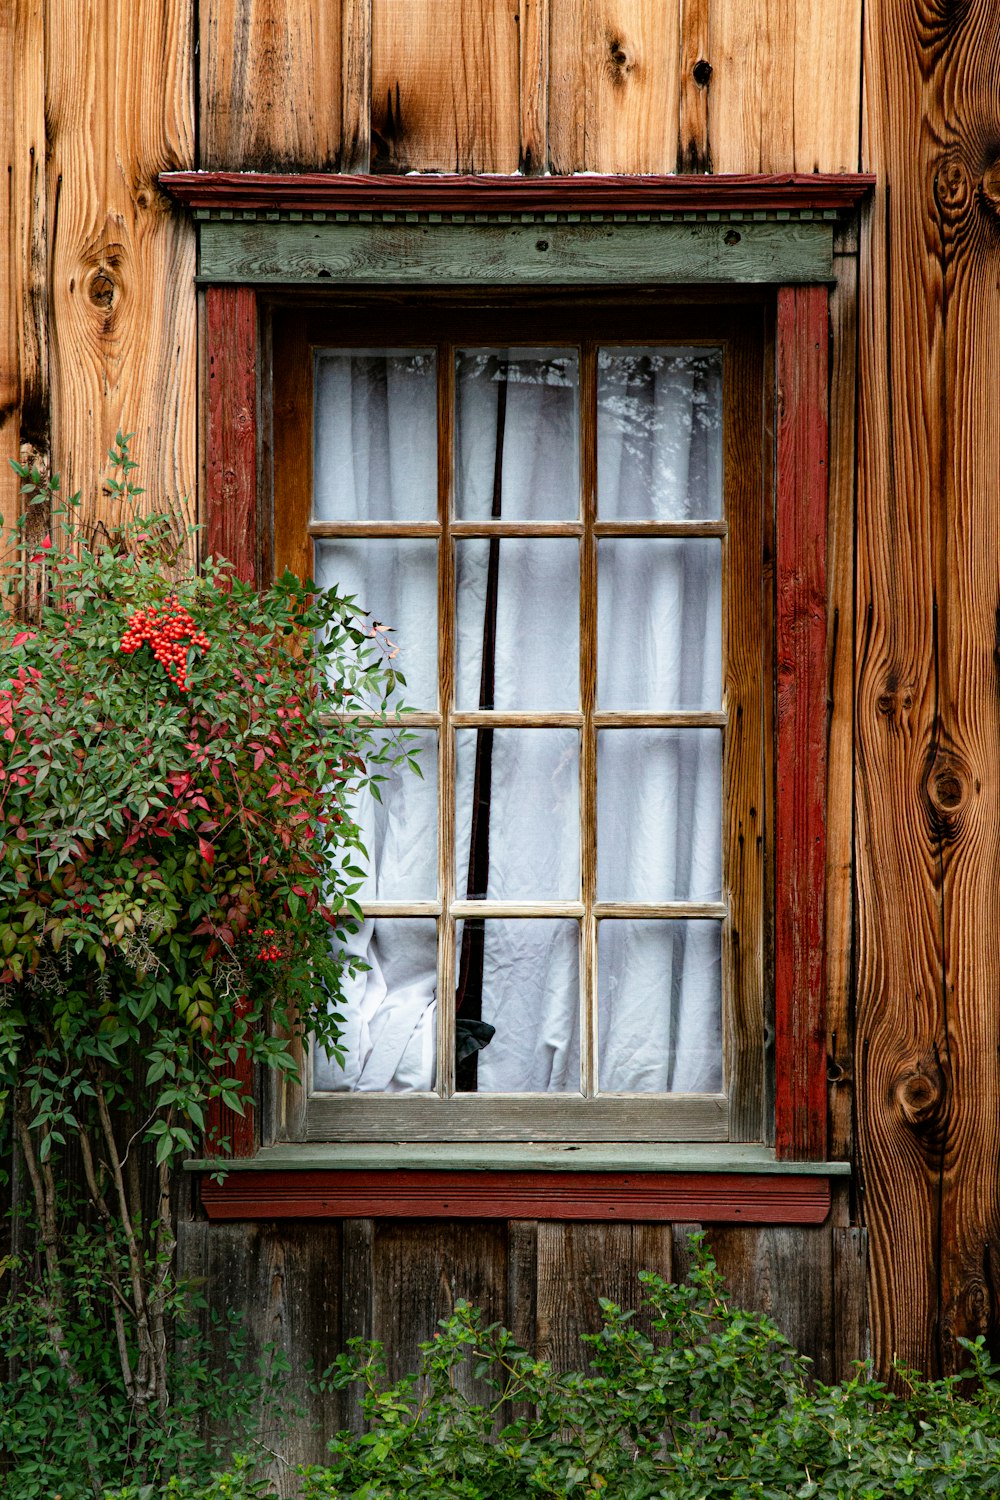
x=800, y=804
x=678, y=1197
x=333, y=192
x=230, y=531
x=230, y=515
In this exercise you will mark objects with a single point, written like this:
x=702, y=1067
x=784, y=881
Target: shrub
x=715, y=1404
x=180, y=765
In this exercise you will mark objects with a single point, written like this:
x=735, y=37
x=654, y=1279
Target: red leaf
x=207, y=851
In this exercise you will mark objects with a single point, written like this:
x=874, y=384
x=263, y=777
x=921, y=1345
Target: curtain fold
x=659, y=647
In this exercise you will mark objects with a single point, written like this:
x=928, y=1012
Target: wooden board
x=269, y=84
x=928, y=731
x=122, y=260
x=785, y=85
x=718, y=1198
x=801, y=721
x=579, y=1263
x=24, y=345
x=613, y=86
x=378, y=255
x=445, y=86
x=285, y=1290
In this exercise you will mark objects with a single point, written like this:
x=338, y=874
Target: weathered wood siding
x=98, y=327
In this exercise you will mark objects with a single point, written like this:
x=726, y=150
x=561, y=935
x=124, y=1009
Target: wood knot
x=919, y=1093
x=952, y=185
x=894, y=702
x=946, y=786
x=619, y=63
x=101, y=290
x=989, y=187
x=702, y=72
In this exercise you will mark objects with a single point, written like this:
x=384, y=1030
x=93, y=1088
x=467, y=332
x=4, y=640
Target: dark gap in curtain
x=472, y=1033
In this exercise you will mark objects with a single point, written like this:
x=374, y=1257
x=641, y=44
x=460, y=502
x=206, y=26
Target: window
x=557, y=508
x=597, y=264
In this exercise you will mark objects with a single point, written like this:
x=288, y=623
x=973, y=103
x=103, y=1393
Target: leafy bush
x=181, y=758
x=716, y=1404
x=218, y=1404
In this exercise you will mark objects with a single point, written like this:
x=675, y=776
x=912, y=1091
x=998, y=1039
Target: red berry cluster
x=170, y=633
x=269, y=953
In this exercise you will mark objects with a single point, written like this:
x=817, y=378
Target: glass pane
x=517, y=623
x=659, y=434
x=389, y=1011
x=395, y=581
x=659, y=623
x=517, y=818
x=517, y=434
x=659, y=815
x=376, y=435
x=659, y=1007
x=517, y=1025
x=399, y=831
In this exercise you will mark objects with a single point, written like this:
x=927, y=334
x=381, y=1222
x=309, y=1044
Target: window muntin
x=736, y=680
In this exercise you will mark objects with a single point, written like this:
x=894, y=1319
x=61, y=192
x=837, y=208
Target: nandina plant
x=180, y=766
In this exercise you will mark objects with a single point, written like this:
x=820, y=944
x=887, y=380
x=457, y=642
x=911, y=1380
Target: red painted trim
x=230, y=522
x=319, y=191
x=708, y=1198
x=230, y=514
x=800, y=804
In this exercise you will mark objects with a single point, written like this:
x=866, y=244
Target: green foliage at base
x=221, y=1402
x=712, y=1403
x=715, y=1404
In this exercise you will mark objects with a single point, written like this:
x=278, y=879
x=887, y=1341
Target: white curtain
x=659, y=647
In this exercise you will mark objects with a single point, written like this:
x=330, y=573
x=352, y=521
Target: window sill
x=734, y=1184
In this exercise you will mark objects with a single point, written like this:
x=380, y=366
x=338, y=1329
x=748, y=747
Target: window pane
x=659, y=1011
x=518, y=614
x=400, y=830
x=659, y=815
x=389, y=1011
x=520, y=978
x=395, y=581
x=517, y=817
x=659, y=434
x=659, y=623
x=517, y=434
x=376, y=435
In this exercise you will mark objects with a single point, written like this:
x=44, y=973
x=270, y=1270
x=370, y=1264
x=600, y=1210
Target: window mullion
x=588, y=703
x=446, y=742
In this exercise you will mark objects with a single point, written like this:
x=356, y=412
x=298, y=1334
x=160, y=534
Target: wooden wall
x=99, y=328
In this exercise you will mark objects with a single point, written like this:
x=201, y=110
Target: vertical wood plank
x=356, y=86
x=122, y=257
x=282, y=1282
x=230, y=511
x=694, y=146
x=579, y=1263
x=613, y=86
x=850, y=1300
x=270, y=85
x=24, y=361
x=421, y=1268
x=533, y=37
x=785, y=85
x=445, y=86
x=522, y=1280
x=783, y=1272
x=800, y=847
x=840, y=677
x=356, y=1278
x=928, y=807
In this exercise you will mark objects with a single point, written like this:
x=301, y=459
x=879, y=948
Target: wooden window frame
x=785, y=227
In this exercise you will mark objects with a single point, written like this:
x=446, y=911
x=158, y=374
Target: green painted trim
x=516, y=1157
x=448, y=254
